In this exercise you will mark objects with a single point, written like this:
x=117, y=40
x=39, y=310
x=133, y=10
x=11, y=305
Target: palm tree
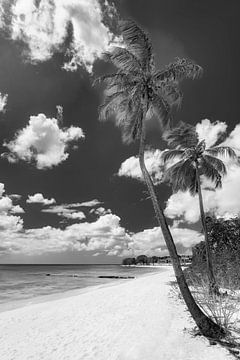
x=133, y=94
x=195, y=160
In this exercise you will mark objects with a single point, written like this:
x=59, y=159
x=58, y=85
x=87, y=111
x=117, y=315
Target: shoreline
x=18, y=304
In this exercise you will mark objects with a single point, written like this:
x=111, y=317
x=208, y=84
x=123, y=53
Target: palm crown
x=137, y=90
x=193, y=156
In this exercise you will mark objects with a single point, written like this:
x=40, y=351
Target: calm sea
x=24, y=282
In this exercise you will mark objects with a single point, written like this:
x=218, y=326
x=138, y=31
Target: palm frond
x=123, y=59
x=201, y=147
x=111, y=104
x=172, y=93
x=129, y=119
x=222, y=151
x=216, y=163
x=183, y=135
x=131, y=128
x=171, y=154
x=179, y=70
x=110, y=79
x=138, y=43
x=210, y=172
x=182, y=176
x=161, y=108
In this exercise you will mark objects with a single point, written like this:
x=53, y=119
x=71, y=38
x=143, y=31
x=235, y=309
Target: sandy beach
x=132, y=320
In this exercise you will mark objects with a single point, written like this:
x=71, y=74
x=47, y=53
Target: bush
x=223, y=309
x=223, y=236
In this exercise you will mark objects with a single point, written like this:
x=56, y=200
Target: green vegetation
x=223, y=237
x=152, y=260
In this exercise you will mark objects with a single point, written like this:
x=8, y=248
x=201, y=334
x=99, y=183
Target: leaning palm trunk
x=213, y=288
x=206, y=326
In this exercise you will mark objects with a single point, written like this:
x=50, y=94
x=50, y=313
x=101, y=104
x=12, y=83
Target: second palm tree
x=195, y=160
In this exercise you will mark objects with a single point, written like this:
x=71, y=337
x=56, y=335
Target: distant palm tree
x=135, y=93
x=195, y=160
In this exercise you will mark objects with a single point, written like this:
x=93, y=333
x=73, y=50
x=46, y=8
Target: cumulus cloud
x=3, y=102
x=105, y=235
x=17, y=209
x=131, y=168
x=102, y=236
x=44, y=27
x=9, y=222
x=151, y=241
x=100, y=211
x=65, y=211
x=210, y=131
x=39, y=198
x=233, y=140
x=6, y=202
x=42, y=141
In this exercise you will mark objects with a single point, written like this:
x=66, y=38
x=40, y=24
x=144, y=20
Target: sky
x=70, y=191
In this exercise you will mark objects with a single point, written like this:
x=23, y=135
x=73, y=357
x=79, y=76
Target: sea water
x=24, y=282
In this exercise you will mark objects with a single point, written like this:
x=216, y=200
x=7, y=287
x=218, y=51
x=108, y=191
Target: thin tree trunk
x=213, y=288
x=206, y=326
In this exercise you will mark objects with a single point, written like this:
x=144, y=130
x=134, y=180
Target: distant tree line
x=141, y=260
x=147, y=260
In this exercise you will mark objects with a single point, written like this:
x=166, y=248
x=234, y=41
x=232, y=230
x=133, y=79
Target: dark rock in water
x=115, y=277
x=64, y=275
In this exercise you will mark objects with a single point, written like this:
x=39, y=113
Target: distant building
x=185, y=259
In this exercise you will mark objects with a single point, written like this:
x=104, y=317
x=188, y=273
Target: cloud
x=90, y=203
x=6, y=203
x=39, y=198
x=2, y=189
x=100, y=211
x=105, y=235
x=42, y=141
x=233, y=140
x=131, y=168
x=151, y=241
x=9, y=222
x=17, y=209
x=44, y=27
x=15, y=196
x=210, y=131
x=65, y=211
x=3, y=102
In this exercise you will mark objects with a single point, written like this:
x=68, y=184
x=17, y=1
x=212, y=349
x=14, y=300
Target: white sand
x=134, y=320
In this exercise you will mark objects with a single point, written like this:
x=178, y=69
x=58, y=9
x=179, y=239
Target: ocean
x=19, y=283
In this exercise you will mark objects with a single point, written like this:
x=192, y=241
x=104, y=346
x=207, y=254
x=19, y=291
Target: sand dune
x=134, y=320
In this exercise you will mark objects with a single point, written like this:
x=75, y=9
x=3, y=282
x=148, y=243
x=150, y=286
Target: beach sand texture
x=134, y=320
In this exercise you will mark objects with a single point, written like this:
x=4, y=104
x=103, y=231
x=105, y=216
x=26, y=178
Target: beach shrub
x=225, y=245
x=223, y=308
